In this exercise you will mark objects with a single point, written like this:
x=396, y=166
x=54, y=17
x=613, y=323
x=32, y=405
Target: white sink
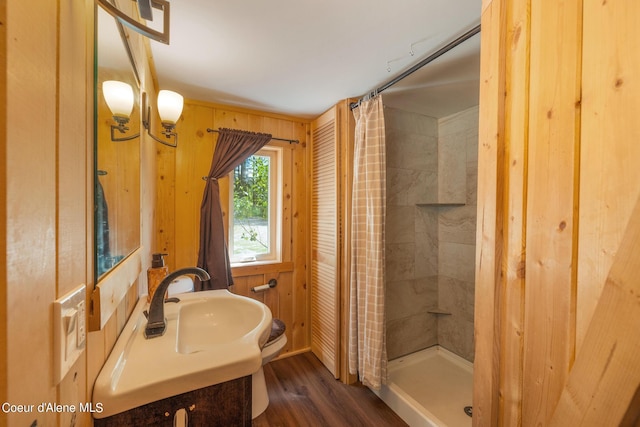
x=206, y=324
x=211, y=337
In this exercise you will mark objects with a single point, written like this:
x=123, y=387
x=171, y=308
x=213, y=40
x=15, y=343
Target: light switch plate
x=69, y=331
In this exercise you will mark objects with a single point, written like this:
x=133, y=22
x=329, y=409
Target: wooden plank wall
x=30, y=211
x=46, y=89
x=604, y=384
x=4, y=271
x=558, y=179
x=610, y=153
x=179, y=193
x=553, y=150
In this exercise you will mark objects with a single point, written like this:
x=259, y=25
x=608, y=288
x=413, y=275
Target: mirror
x=117, y=164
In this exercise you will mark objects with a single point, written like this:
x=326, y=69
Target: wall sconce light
x=169, y=109
x=119, y=99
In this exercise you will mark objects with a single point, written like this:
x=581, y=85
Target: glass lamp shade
x=119, y=97
x=169, y=106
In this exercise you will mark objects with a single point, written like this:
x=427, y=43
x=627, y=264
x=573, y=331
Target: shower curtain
x=232, y=148
x=367, y=343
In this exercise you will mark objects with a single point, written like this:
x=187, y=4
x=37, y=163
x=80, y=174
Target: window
x=254, y=225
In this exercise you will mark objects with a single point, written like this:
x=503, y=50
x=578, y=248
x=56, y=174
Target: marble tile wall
x=458, y=138
x=430, y=251
x=411, y=233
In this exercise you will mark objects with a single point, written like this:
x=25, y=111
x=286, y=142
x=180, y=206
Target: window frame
x=275, y=214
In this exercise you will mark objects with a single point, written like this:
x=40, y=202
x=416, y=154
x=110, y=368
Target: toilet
x=276, y=342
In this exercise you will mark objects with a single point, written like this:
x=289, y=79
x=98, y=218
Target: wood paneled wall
x=558, y=180
x=46, y=88
x=179, y=194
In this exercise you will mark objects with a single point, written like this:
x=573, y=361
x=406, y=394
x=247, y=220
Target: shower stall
x=431, y=136
x=430, y=265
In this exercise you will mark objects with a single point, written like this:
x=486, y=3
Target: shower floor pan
x=429, y=388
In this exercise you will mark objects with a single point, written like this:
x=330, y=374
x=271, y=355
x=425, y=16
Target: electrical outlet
x=69, y=330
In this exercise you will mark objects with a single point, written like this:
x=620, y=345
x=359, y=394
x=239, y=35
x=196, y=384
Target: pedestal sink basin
x=211, y=337
x=206, y=324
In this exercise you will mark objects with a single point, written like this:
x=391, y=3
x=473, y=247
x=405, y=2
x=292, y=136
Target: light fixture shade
x=119, y=97
x=169, y=106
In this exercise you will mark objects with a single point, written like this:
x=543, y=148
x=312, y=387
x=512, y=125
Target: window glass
x=254, y=223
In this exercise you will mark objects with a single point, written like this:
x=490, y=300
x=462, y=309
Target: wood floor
x=302, y=392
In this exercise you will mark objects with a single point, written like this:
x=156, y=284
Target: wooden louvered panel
x=323, y=314
x=324, y=246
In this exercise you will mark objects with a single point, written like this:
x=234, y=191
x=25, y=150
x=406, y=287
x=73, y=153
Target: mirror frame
x=146, y=31
x=124, y=245
x=112, y=287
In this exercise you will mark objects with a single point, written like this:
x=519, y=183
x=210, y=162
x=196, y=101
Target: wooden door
x=325, y=241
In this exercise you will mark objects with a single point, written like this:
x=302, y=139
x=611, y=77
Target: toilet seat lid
x=277, y=330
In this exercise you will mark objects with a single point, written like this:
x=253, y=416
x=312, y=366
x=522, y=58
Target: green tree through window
x=251, y=206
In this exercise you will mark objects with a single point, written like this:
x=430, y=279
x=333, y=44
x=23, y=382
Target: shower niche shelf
x=439, y=205
x=439, y=312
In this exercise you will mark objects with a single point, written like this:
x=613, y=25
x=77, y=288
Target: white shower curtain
x=367, y=344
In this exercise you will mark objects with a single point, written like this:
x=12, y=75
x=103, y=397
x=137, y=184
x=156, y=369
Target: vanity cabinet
x=226, y=404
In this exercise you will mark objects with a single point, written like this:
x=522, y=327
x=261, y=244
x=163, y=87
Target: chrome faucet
x=156, y=323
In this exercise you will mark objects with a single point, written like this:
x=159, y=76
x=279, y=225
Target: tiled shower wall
x=458, y=137
x=430, y=230
x=411, y=232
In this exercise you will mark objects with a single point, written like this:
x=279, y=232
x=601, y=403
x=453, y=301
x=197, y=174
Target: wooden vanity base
x=224, y=405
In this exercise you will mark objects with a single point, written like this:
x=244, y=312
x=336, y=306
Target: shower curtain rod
x=290, y=141
x=419, y=65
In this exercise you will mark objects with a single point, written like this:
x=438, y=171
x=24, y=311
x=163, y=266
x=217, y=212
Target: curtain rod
x=419, y=65
x=290, y=141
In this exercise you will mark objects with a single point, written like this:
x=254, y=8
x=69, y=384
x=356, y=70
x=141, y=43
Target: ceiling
x=300, y=57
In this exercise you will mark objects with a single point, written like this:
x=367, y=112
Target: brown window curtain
x=233, y=147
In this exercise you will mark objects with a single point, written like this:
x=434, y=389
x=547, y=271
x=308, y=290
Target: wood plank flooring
x=303, y=392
